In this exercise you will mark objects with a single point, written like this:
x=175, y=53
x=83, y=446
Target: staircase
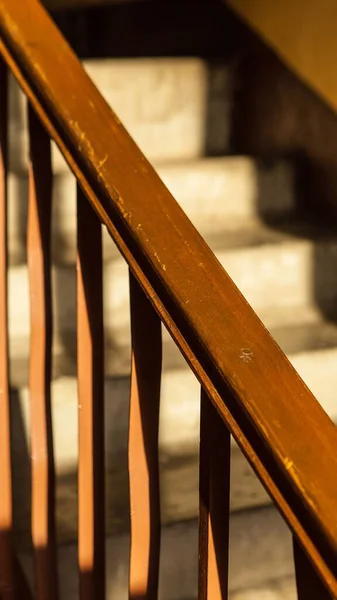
x=285, y=265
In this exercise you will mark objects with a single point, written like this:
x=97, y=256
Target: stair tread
x=299, y=331
x=255, y=233
x=284, y=265
x=248, y=234
x=161, y=101
x=260, y=549
x=205, y=188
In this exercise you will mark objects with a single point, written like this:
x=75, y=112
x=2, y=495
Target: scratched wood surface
x=282, y=429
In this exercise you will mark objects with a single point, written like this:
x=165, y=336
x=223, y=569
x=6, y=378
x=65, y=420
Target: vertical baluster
x=6, y=553
x=214, y=485
x=42, y=456
x=309, y=585
x=90, y=402
x=143, y=446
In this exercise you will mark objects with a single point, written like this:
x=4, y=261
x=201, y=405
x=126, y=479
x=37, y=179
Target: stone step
x=165, y=103
x=260, y=560
x=213, y=192
x=311, y=345
x=279, y=589
x=284, y=266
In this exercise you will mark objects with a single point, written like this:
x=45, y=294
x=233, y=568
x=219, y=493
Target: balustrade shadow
x=152, y=29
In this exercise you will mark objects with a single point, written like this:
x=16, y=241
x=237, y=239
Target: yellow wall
x=303, y=33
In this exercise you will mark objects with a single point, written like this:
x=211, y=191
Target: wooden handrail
x=285, y=434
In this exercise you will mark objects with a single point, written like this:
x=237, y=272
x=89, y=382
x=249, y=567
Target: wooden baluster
x=6, y=552
x=309, y=585
x=90, y=402
x=42, y=455
x=143, y=446
x=214, y=485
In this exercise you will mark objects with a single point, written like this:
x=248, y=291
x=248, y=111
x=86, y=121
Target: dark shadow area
x=276, y=115
x=309, y=585
x=21, y=479
x=152, y=29
x=12, y=577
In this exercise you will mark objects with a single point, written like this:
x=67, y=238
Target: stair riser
x=212, y=192
x=162, y=102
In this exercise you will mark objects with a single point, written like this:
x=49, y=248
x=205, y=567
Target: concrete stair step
x=277, y=267
x=165, y=103
x=282, y=589
x=260, y=561
x=311, y=344
x=213, y=192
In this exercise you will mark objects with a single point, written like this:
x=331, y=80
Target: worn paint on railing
x=273, y=416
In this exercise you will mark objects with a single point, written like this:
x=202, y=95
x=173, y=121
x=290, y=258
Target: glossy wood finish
x=143, y=446
x=91, y=491
x=42, y=456
x=285, y=434
x=6, y=552
x=214, y=485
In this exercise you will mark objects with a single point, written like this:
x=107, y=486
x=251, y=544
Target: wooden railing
x=249, y=389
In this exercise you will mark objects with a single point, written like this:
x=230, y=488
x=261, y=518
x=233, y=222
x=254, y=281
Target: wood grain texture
x=214, y=486
x=42, y=454
x=91, y=489
x=282, y=429
x=143, y=446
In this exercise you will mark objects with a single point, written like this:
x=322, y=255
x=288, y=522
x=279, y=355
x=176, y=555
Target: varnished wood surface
x=143, y=448
x=42, y=454
x=280, y=426
x=90, y=359
x=214, y=488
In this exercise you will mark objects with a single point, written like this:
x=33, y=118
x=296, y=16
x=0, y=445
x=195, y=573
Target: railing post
x=214, y=486
x=90, y=356
x=39, y=266
x=309, y=585
x=143, y=446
